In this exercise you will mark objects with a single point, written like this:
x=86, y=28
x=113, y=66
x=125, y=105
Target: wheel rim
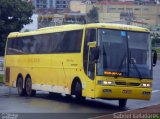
x=78, y=90
x=28, y=86
x=20, y=86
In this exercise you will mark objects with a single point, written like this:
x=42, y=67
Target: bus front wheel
x=122, y=103
x=28, y=86
x=78, y=92
x=21, y=91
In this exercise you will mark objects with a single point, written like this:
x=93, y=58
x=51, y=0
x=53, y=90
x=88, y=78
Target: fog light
x=146, y=93
x=107, y=90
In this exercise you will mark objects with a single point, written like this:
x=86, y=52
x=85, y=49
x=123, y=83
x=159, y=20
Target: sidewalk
x=1, y=64
x=151, y=112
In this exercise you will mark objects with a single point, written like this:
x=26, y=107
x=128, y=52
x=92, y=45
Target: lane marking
x=155, y=91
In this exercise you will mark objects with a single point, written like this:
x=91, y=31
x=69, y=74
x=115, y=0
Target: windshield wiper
x=132, y=61
x=120, y=66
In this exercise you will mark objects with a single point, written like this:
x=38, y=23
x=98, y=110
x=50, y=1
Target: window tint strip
x=60, y=42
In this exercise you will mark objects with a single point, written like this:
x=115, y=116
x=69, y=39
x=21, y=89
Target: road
x=43, y=103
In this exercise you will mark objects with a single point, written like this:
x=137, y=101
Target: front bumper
x=115, y=92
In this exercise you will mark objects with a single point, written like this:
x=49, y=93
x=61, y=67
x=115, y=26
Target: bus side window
x=72, y=41
x=89, y=37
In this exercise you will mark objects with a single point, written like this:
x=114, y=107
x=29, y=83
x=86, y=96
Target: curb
x=130, y=113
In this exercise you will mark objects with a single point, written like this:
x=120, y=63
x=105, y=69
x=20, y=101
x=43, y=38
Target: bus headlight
x=110, y=83
x=146, y=85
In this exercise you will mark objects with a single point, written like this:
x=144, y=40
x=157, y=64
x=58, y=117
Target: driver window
x=90, y=37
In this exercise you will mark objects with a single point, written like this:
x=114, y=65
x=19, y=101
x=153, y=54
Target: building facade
x=123, y=11
x=51, y=4
x=62, y=4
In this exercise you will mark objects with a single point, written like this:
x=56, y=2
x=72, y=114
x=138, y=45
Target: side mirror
x=92, y=44
x=154, y=57
x=94, y=53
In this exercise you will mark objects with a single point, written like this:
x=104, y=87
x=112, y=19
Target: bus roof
x=117, y=26
x=77, y=27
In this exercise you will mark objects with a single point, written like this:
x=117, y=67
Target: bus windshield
x=126, y=53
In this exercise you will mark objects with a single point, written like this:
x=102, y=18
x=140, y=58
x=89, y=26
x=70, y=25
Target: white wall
x=32, y=26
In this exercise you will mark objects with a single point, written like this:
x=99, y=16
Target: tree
x=92, y=16
x=155, y=39
x=14, y=14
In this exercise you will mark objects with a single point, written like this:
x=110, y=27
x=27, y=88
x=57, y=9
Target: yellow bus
x=99, y=60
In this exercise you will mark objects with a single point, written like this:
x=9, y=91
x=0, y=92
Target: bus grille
x=121, y=83
x=134, y=84
x=127, y=84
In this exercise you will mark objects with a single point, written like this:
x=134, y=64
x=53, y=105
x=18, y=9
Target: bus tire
x=20, y=89
x=28, y=87
x=122, y=103
x=78, y=92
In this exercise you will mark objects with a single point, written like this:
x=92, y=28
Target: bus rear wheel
x=122, y=103
x=28, y=87
x=21, y=91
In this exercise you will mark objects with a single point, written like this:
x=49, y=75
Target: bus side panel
x=74, y=69
x=44, y=73
x=48, y=74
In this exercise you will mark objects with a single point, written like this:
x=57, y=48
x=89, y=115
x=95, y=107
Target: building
x=40, y=4
x=74, y=18
x=144, y=14
x=62, y=4
x=75, y=5
x=46, y=20
x=51, y=4
x=123, y=12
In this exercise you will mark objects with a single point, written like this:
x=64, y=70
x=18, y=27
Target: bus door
x=91, y=60
x=89, y=64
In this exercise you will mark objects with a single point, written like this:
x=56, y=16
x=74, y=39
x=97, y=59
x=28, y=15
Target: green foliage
x=1, y=78
x=155, y=39
x=13, y=15
x=92, y=16
x=158, y=50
